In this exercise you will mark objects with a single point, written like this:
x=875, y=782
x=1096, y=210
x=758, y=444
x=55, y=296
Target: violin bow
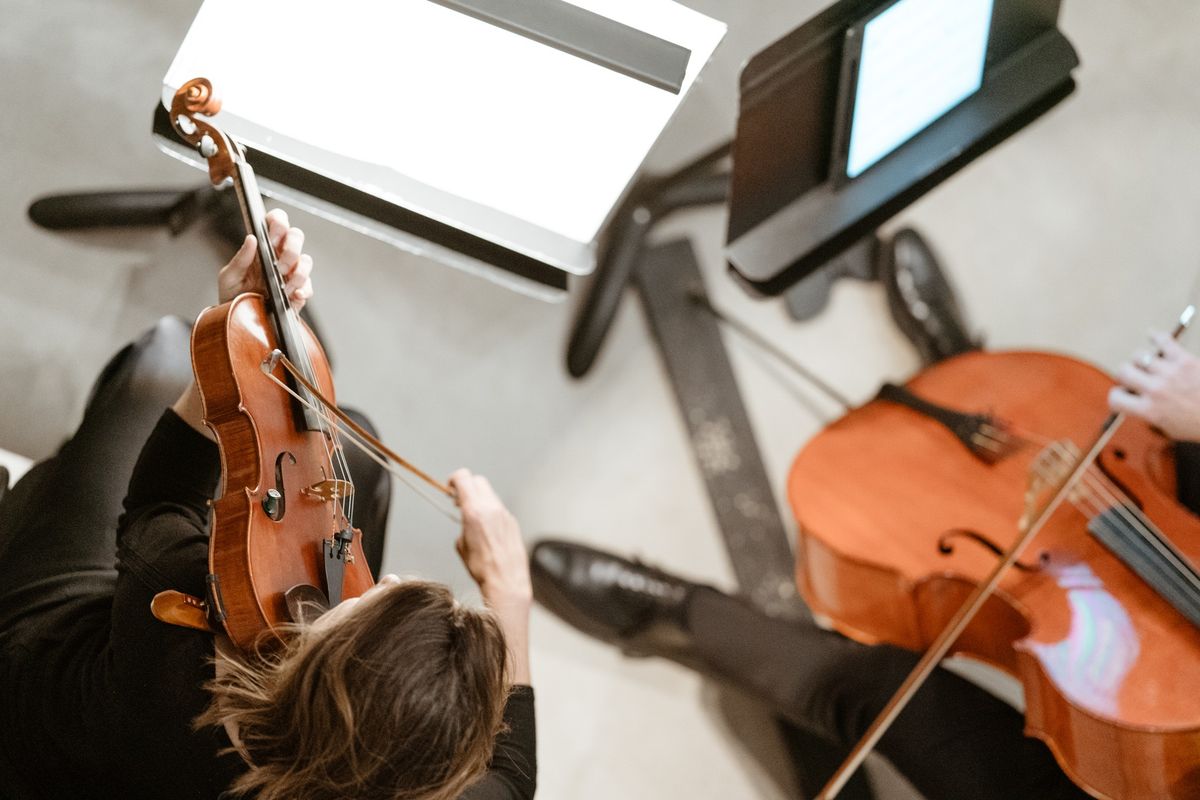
x=933, y=656
x=359, y=436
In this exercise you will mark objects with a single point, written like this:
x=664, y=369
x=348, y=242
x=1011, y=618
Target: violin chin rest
x=184, y=610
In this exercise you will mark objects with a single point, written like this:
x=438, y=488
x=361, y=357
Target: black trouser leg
x=58, y=524
x=954, y=740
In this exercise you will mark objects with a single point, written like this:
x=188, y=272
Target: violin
x=906, y=504
x=281, y=535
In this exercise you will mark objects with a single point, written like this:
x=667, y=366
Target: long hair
x=402, y=699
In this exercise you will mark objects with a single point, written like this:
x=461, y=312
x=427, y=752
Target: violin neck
x=279, y=307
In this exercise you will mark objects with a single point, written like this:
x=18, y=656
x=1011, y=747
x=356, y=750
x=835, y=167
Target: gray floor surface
x=1077, y=236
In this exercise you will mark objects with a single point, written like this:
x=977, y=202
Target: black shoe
x=921, y=300
x=640, y=608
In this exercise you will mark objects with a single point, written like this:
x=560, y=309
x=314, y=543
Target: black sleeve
x=159, y=670
x=178, y=467
x=1187, y=475
x=512, y=774
x=162, y=536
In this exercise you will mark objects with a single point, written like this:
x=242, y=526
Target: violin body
x=255, y=555
x=1111, y=670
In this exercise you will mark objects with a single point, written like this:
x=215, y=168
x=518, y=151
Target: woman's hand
x=1163, y=388
x=490, y=545
x=243, y=274
x=494, y=553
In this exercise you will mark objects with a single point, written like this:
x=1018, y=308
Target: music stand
x=493, y=136
x=793, y=204
x=552, y=109
x=795, y=224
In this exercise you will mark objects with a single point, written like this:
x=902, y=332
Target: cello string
x=1121, y=504
x=1106, y=495
x=1094, y=506
x=1144, y=528
x=369, y=449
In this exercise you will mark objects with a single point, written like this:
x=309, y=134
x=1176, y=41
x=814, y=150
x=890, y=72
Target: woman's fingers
x=299, y=282
x=234, y=276
x=289, y=249
x=277, y=227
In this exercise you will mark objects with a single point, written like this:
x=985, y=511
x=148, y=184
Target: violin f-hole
x=274, y=503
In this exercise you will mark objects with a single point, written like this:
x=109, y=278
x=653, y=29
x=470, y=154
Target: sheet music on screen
x=920, y=58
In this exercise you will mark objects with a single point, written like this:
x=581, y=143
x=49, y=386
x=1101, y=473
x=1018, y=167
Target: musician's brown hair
x=400, y=699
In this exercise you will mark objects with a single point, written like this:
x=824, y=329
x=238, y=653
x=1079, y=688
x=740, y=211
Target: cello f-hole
x=946, y=547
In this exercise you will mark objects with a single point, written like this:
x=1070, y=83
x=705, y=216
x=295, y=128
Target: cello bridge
x=1051, y=466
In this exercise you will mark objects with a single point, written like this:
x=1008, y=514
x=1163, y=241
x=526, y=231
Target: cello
x=1098, y=622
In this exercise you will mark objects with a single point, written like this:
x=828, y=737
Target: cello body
x=1110, y=670
x=256, y=556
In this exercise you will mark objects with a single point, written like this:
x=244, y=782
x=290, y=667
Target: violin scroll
x=197, y=96
x=193, y=101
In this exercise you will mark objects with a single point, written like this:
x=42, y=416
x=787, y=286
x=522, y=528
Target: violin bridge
x=330, y=489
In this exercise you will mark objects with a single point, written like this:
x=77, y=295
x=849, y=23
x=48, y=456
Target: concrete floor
x=1075, y=236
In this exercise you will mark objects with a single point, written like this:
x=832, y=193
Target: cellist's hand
x=1163, y=388
x=242, y=273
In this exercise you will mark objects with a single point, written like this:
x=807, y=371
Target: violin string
x=335, y=456
x=289, y=316
x=367, y=448
x=1106, y=495
x=250, y=199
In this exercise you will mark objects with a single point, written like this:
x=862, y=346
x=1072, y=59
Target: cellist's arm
x=240, y=275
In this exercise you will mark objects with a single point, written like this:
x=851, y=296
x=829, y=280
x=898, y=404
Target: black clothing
x=954, y=740
x=1187, y=475
x=99, y=695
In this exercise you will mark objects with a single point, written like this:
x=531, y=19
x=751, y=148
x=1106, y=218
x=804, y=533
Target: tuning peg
x=208, y=148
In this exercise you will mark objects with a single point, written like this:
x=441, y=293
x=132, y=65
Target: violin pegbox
x=194, y=103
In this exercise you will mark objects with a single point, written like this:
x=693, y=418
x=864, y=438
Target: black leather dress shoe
x=921, y=299
x=640, y=608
